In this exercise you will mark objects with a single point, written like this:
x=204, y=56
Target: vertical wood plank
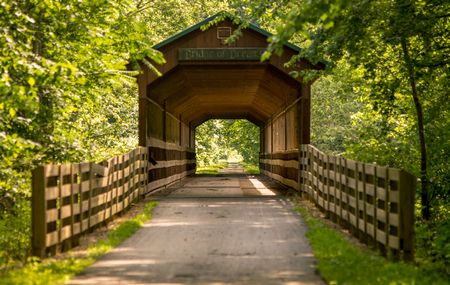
x=134, y=188
x=72, y=202
x=132, y=175
x=305, y=114
x=141, y=158
x=80, y=196
x=300, y=170
x=364, y=197
x=91, y=185
x=59, y=206
x=339, y=189
x=407, y=185
x=335, y=190
x=39, y=209
x=146, y=168
x=386, y=206
x=135, y=175
x=285, y=147
x=143, y=125
x=375, y=205
x=271, y=145
x=345, y=190
x=124, y=190
x=110, y=188
x=357, y=204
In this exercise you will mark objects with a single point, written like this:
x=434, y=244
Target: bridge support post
x=303, y=129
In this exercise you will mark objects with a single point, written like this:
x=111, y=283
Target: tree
x=63, y=68
x=219, y=139
x=402, y=45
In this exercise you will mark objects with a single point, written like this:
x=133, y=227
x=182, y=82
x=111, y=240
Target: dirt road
x=222, y=230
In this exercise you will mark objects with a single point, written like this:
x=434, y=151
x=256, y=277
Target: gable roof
x=197, y=26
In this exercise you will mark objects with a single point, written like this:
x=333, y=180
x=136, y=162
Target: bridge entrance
x=203, y=79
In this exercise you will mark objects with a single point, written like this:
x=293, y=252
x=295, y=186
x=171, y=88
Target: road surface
x=213, y=230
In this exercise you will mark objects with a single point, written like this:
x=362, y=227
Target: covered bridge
x=205, y=78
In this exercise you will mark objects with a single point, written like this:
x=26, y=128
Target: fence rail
x=376, y=203
x=71, y=199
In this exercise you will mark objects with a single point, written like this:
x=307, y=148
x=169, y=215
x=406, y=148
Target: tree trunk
x=424, y=194
x=46, y=113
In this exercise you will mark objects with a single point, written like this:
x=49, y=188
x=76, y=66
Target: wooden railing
x=71, y=199
x=375, y=203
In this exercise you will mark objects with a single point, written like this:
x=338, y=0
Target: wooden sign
x=203, y=54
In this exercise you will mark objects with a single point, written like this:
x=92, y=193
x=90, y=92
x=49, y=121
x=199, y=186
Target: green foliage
x=251, y=168
x=433, y=241
x=334, y=101
x=57, y=271
x=61, y=80
x=66, y=94
x=384, y=98
x=15, y=234
x=212, y=169
x=163, y=18
x=67, y=86
x=340, y=262
x=401, y=48
x=207, y=140
x=227, y=139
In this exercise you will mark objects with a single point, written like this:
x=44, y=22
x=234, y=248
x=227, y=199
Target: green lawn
x=340, y=262
x=57, y=271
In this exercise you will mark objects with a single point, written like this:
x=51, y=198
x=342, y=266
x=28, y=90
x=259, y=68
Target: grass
x=340, y=262
x=210, y=169
x=214, y=168
x=57, y=271
x=251, y=168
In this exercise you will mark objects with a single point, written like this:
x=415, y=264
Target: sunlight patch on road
x=263, y=190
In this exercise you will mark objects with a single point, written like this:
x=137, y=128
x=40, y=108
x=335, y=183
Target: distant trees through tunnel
x=218, y=141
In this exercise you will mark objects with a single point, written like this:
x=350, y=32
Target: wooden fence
x=375, y=203
x=72, y=199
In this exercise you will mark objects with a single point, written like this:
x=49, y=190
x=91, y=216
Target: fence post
x=91, y=185
x=122, y=182
x=143, y=170
x=362, y=186
x=326, y=174
x=38, y=210
x=407, y=196
x=133, y=158
x=59, y=203
x=300, y=171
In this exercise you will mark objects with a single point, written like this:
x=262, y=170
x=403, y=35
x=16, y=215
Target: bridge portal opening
x=232, y=144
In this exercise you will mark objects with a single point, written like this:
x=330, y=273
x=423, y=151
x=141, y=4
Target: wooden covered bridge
x=204, y=78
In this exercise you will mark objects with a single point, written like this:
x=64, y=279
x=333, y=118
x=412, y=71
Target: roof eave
x=211, y=18
x=186, y=31
x=320, y=65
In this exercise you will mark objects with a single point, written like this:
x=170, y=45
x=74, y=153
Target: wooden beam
x=142, y=132
x=305, y=115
